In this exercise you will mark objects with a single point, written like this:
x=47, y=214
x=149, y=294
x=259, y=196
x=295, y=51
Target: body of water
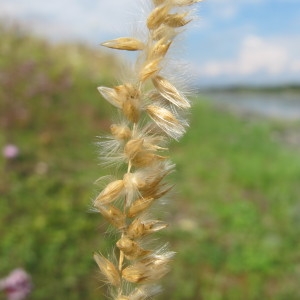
x=281, y=105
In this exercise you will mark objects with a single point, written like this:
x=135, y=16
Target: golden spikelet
x=176, y=20
x=166, y=120
x=111, y=192
x=132, y=147
x=131, y=109
x=111, y=96
x=108, y=270
x=125, y=43
x=113, y=215
x=145, y=158
x=138, y=228
x=147, y=270
x=131, y=249
x=169, y=92
x=163, y=32
x=150, y=69
x=157, y=16
x=139, y=205
x=160, y=49
x=120, y=132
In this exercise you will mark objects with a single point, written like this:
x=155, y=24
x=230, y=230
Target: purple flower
x=10, y=151
x=17, y=285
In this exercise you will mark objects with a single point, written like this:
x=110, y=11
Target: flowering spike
x=152, y=111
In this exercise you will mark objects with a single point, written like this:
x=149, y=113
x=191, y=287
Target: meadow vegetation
x=235, y=216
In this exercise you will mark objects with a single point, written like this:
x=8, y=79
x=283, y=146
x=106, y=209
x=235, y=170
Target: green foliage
x=237, y=215
x=234, y=217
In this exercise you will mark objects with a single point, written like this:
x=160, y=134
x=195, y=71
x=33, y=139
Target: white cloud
x=60, y=19
x=257, y=56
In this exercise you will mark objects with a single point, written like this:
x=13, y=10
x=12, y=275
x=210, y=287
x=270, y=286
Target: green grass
x=235, y=214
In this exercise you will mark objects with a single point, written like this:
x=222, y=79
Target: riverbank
x=282, y=105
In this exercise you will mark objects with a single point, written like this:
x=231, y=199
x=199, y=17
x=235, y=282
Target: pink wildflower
x=17, y=285
x=10, y=151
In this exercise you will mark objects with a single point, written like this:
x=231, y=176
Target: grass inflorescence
x=151, y=111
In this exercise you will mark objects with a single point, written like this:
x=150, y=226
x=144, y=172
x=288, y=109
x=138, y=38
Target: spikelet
x=125, y=43
x=138, y=228
x=157, y=16
x=113, y=215
x=139, y=205
x=150, y=69
x=120, y=132
x=176, y=20
x=166, y=120
x=110, y=96
x=149, y=269
x=169, y=92
x=160, y=49
x=108, y=269
x=152, y=113
x=111, y=192
x=163, y=32
x=131, y=249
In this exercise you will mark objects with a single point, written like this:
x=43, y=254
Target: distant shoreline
x=293, y=87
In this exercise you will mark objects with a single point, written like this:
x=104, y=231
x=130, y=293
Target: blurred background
x=235, y=216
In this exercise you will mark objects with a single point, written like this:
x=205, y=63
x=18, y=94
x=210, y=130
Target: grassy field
x=235, y=212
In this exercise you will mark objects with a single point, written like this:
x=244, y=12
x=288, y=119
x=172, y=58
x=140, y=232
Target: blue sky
x=232, y=41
